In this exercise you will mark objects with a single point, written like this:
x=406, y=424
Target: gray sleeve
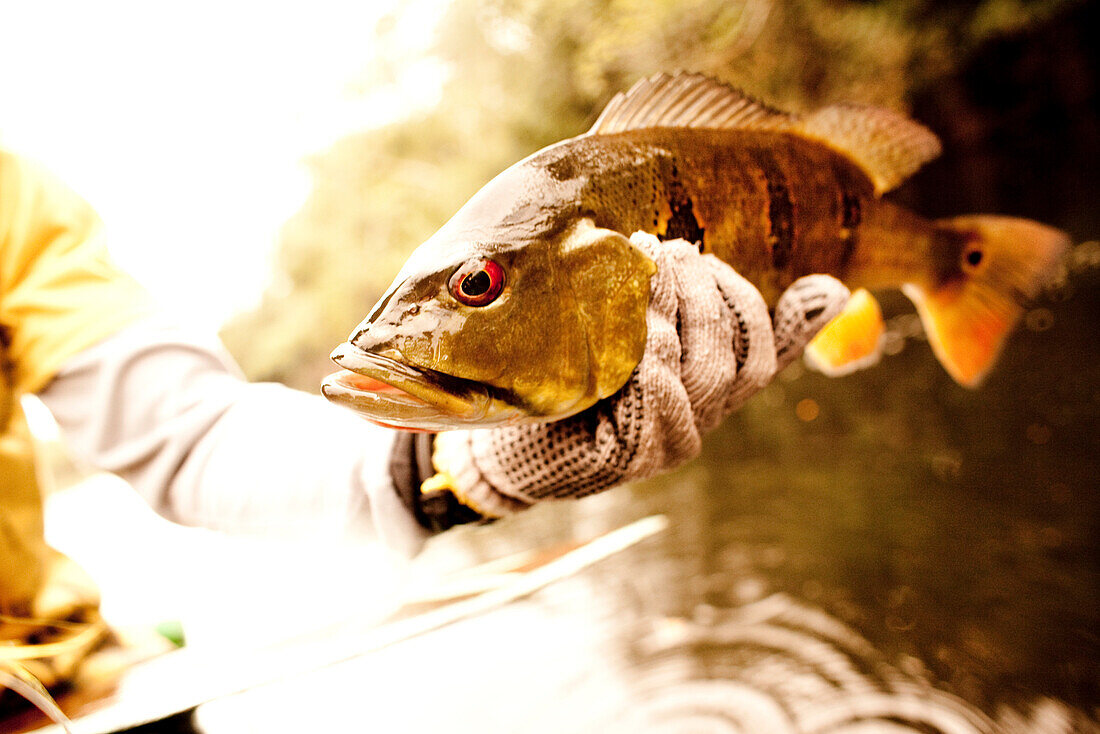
x=168, y=411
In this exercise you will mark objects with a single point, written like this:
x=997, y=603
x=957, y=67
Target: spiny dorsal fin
x=686, y=100
x=887, y=145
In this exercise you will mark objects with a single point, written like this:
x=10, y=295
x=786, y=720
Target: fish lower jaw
x=384, y=404
x=399, y=395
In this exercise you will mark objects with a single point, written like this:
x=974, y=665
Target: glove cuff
x=410, y=467
x=456, y=457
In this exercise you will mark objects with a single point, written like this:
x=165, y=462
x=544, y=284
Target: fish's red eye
x=477, y=283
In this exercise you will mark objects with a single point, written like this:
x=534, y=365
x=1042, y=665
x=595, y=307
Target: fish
x=528, y=305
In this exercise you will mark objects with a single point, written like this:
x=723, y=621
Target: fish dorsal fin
x=886, y=145
x=686, y=100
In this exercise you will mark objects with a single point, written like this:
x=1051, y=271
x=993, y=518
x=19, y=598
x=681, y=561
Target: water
x=898, y=554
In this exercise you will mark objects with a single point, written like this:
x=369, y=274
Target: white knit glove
x=710, y=345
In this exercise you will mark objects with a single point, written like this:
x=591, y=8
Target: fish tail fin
x=993, y=268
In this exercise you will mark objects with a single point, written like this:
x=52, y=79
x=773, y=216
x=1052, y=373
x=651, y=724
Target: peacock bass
x=529, y=304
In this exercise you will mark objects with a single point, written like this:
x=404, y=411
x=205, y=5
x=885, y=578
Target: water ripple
x=793, y=669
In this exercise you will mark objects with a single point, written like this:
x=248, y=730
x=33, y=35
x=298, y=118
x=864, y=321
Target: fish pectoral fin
x=851, y=341
x=888, y=146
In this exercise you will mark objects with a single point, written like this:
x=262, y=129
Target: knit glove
x=710, y=345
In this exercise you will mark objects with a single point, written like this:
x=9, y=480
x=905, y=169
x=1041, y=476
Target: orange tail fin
x=1001, y=265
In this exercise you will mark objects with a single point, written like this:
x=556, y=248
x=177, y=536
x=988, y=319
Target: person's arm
x=161, y=407
x=166, y=410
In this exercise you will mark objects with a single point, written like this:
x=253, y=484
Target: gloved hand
x=710, y=345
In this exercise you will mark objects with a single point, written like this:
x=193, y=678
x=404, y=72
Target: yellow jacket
x=59, y=293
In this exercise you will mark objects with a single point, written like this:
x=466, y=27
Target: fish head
x=487, y=333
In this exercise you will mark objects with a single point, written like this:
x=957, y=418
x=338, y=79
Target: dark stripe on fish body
x=852, y=213
x=780, y=209
x=682, y=224
x=850, y=217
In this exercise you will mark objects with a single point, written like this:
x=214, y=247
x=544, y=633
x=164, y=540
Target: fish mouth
x=398, y=395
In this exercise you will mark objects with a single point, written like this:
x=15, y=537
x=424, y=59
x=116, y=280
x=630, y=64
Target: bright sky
x=185, y=123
